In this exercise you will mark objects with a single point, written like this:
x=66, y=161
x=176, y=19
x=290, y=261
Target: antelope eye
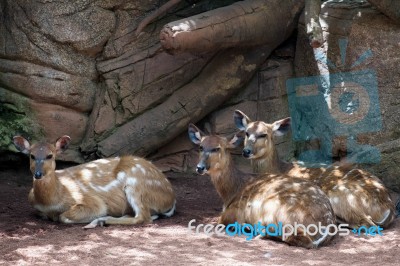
x=262, y=136
x=32, y=157
x=201, y=148
x=48, y=157
x=247, y=134
x=215, y=150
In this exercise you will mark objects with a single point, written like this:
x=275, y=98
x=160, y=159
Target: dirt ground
x=27, y=240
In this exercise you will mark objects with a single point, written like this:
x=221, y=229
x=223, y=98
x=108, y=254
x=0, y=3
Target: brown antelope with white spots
x=358, y=198
x=268, y=199
x=121, y=190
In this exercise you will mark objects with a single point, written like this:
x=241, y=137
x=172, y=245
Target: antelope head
x=259, y=140
x=214, y=150
x=41, y=155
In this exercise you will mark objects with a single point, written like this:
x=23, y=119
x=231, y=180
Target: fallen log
x=244, y=23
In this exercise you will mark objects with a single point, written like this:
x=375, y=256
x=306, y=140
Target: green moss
x=16, y=118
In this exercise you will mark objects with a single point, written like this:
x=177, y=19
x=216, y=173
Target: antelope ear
x=236, y=140
x=241, y=120
x=22, y=144
x=281, y=127
x=62, y=143
x=195, y=134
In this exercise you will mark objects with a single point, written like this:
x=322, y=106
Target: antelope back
x=357, y=197
x=274, y=199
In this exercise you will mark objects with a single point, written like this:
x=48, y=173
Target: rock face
x=77, y=68
x=263, y=98
x=48, y=76
x=359, y=61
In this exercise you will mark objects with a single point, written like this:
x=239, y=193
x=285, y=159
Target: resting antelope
x=268, y=199
x=357, y=197
x=121, y=190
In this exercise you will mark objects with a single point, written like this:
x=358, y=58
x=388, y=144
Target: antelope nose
x=38, y=174
x=246, y=153
x=200, y=169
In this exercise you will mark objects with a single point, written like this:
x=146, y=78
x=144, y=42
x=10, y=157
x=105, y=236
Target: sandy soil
x=27, y=240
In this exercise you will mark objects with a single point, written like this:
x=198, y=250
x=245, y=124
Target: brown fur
x=357, y=197
x=98, y=192
x=267, y=198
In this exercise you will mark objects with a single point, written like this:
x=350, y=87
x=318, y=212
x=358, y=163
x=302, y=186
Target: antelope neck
x=269, y=163
x=228, y=180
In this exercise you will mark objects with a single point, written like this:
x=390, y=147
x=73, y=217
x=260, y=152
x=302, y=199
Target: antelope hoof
x=95, y=223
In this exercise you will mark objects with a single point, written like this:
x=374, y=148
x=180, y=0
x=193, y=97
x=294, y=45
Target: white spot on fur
x=351, y=200
x=129, y=192
x=121, y=176
x=113, y=184
x=81, y=186
x=91, y=165
x=154, y=217
x=73, y=188
x=86, y=174
x=377, y=184
x=256, y=203
x=141, y=168
x=131, y=181
x=109, y=186
x=364, y=202
x=102, y=161
x=154, y=182
x=335, y=200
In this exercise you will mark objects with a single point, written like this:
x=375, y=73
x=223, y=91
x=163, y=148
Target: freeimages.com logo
x=280, y=230
x=343, y=104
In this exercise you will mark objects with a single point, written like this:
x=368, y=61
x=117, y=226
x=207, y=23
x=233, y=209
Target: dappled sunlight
x=29, y=240
x=35, y=251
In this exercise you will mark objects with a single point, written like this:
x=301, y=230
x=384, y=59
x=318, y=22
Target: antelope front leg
x=142, y=211
x=127, y=220
x=81, y=213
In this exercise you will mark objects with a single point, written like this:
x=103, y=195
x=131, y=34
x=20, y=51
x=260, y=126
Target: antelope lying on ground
x=268, y=199
x=357, y=197
x=105, y=191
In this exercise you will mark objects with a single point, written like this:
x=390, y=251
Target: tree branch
x=244, y=23
x=159, y=12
